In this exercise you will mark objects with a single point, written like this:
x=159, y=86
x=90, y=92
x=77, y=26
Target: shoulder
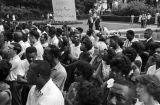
x=4, y=97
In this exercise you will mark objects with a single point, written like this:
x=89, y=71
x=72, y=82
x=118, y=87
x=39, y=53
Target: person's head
x=59, y=31
x=148, y=87
x=123, y=92
x=156, y=55
x=33, y=36
x=5, y=67
x=88, y=94
x=86, y=44
x=51, y=53
x=115, y=42
x=130, y=35
x=43, y=38
x=148, y=33
x=138, y=46
x=52, y=31
x=38, y=72
x=31, y=54
x=13, y=49
x=120, y=67
x=83, y=71
x=100, y=48
x=76, y=37
x=130, y=53
x=80, y=29
x=108, y=55
x=17, y=36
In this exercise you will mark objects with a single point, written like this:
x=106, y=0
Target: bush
x=133, y=7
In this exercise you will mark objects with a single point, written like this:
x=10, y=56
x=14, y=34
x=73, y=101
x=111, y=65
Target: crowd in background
x=45, y=65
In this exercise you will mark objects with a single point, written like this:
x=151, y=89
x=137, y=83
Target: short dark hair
x=55, y=51
x=17, y=47
x=131, y=32
x=5, y=67
x=52, y=31
x=31, y=50
x=85, y=68
x=152, y=83
x=42, y=67
x=34, y=33
x=149, y=31
x=59, y=31
x=118, y=40
x=131, y=53
x=121, y=64
x=88, y=43
x=138, y=46
x=88, y=94
x=17, y=36
x=80, y=29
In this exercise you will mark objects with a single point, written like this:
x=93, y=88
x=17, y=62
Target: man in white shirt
x=58, y=73
x=130, y=39
x=13, y=50
x=75, y=46
x=44, y=91
x=34, y=39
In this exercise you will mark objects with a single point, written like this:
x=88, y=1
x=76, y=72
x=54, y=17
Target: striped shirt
x=128, y=43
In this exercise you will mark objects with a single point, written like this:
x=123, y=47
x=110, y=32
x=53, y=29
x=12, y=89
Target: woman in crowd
x=82, y=73
x=148, y=89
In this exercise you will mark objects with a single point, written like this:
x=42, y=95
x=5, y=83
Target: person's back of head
x=41, y=69
x=35, y=34
x=18, y=36
x=52, y=31
x=88, y=94
x=121, y=64
x=130, y=53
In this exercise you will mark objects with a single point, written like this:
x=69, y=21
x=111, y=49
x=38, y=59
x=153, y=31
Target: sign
x=64, y=10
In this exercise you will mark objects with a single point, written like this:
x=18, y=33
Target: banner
x=64, y=10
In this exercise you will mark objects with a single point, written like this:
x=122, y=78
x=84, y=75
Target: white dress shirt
x=48, y=95
x=40, y=50
x=16, y=68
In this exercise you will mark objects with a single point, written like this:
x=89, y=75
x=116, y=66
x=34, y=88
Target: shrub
x=133, y=7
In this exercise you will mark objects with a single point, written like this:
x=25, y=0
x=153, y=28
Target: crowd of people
x=44, y=65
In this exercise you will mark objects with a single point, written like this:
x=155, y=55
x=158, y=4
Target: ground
x=109, y=25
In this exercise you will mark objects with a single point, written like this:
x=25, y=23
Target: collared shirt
x=48, y=95
x=40, y=50
x=16, y=68
x=128, y=43
x=59, y=76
